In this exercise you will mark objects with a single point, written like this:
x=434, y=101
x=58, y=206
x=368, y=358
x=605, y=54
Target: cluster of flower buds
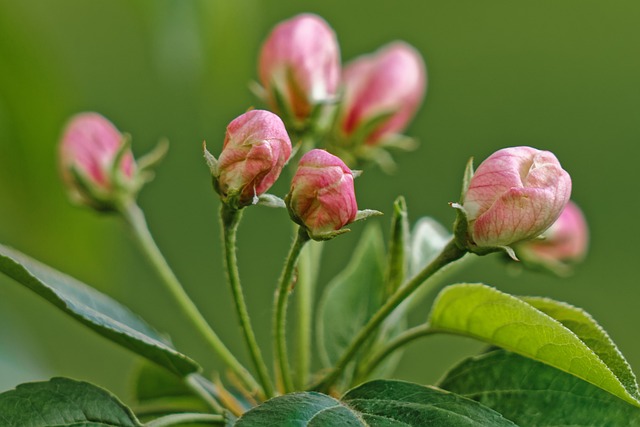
x=375, y=96
x=97, y=165
x=513, y=196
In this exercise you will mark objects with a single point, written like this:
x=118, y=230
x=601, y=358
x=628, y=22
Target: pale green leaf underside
x=95, y=310
x=533, y=394
x=378, y=403
x=484, y=313
x=593, y=335
x=63, y=402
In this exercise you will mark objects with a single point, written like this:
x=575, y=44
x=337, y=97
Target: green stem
x=230, y=219
x=450, y=253
x=280, y=312
x=305, y=286
x=181, y=419
x=403, y=339
x=135, y=218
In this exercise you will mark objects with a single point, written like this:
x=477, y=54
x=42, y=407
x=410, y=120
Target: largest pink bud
x=322, y=197
x=88, y=149
x=514, y=195
x=301, y=61
x=382, y=91
x=256, y=148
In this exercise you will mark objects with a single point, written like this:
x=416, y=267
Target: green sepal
x=153, y=158
x=212, y=162
x=271, y=201
x=366, y=213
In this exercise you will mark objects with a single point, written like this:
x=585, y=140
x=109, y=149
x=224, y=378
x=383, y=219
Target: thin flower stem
x=305, y=286
x=230, y=218
x=181, y=419
x=280, y=311
x=450, y=253
x=135, y=218
x=401, y=340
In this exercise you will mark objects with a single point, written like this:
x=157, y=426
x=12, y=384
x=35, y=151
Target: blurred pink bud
x=391, y=82
x=514, y=195
x=322, y=198
x=90, y=144
x=301, y=60
x=256, y=148
x=566, y=241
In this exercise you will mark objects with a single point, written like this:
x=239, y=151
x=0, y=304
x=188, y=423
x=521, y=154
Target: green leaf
x=95, y=310
x=593, y=335
x=428, y=238
x=159, y=393
x=352, y=297
x=398, y=242
x=378, y=403
x=533, y=394
x=63, y=402
x=484, y=313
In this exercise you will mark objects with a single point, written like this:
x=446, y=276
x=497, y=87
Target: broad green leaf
x=352, y=297
x=63, y=402
x=378, y=403
x=593, y=335
x=95, y=310
x=484, y=313
x=533, y=394
x=159, y=393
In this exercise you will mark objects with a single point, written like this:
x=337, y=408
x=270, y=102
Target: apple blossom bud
x=256, y=148
x=564, y=243
x=299, y=65
x=514, y=195
x=322, y=198
x=95, y=162
x=382, y=92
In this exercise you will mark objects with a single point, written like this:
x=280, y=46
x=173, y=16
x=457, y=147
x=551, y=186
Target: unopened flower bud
x=382, y=92
x=256, y=148
x=97, y=167
x=322, y=198
x=562, y=244
x=514, y=195
x=299, y=65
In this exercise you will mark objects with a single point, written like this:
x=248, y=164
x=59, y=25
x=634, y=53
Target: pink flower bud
x=392, y=82
x=256, y=148
x=322, y=198
x=89, y=146
x=566, y=241
x=301, y=60
x=514, y=195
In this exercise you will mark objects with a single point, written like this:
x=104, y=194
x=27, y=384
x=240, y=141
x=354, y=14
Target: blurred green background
x=557, y=75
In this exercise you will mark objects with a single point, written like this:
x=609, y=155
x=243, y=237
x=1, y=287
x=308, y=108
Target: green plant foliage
x=352, y=297
x=157, y=392
x=63, y=402
x=484, y=313
x=95, y=310
x=380, y=403
x=593, y=335
x=533, y=394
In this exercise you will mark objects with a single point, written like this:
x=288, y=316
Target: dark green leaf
x=352, y=297
x=63, y=402
x=95, y=310
x=484, y=313
x=533, y=394
x=377, y=404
